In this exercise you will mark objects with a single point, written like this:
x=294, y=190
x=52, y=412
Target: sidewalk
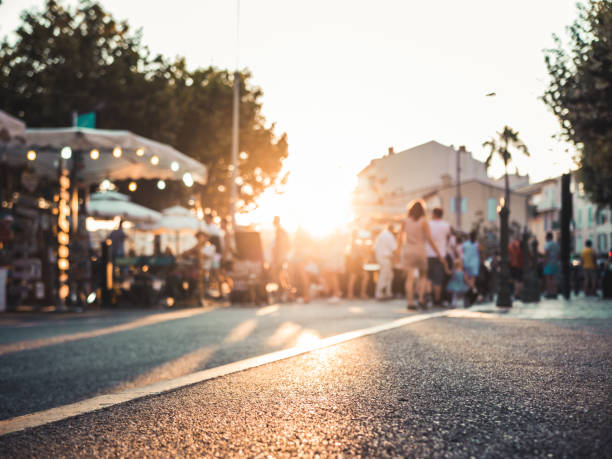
x=578, y=307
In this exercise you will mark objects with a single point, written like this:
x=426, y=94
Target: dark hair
x=588, y=243
x=549, y=236
x=416, y=209
x=438, y=212
x=473, y=236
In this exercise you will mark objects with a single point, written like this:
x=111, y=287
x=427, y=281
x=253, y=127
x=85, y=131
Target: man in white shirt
x=384, y=247
x=440, y=233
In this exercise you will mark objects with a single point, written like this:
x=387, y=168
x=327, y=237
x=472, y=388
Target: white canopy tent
x=110, y=204
x=11, y=128
x=120, y=155
x=179, y=221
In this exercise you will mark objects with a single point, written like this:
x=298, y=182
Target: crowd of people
x=422, y=259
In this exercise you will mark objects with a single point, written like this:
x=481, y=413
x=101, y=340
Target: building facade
x=589, y=222
x=429, y=172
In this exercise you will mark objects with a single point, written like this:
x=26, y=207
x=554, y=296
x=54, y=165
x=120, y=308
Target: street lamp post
x=458, y=189
x=504, y=298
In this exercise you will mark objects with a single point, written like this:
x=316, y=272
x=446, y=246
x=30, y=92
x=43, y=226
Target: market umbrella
x=110, y=204
x=11, y=128
x=138, y=158
x=177, y=220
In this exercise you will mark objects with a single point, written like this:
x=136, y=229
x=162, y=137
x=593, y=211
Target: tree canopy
x=580, y=94
x=65, y=59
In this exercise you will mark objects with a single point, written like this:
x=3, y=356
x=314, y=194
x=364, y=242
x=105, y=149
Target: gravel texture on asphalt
x=50, y=376
x=441, y=388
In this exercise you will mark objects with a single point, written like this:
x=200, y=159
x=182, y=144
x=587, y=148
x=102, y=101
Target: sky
x=346, y=79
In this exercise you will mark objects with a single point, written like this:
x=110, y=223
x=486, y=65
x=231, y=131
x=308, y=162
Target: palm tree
x=500, y=147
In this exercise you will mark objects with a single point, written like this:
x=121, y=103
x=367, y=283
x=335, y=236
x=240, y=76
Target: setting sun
x=317, y=199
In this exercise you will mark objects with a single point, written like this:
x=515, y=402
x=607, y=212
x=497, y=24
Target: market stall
x=57, y=168
x=12, y=137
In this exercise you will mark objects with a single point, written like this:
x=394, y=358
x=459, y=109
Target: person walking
x=457, y=285
x=280, y=259
x=355, y=259
x=440, y=233
x=471, y=260
x=551, y=265
x=411, y=242
x=517, y=263
x=384, y=248
x=589, y=269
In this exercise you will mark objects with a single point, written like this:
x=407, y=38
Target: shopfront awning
x=11, y=129
x=111, y=204
x=175, y=219
x=118, y=155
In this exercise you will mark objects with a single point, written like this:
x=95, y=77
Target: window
x=579, y=219
x=463, y=205
x=492, y=209
x=602, y=242
x=590, y=217
x=578, y=244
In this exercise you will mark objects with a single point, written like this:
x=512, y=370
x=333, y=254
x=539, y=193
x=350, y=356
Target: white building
x=589, y=221
x=429, y=171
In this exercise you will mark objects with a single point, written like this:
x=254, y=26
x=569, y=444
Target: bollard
x=107, y=273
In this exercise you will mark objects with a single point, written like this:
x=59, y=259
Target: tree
x=83, y=59
x=580, y=95
x=502, y=147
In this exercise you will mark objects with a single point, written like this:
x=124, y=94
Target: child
x=457, y=285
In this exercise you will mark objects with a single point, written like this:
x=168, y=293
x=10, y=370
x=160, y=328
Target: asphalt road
x=62, y=372
x=484, y=386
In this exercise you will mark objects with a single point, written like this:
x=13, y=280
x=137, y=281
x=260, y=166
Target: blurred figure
x=589, y=268
x=118, y=238
x=454, y=246
x=551, y=265
x=354, y=267
x=457, y=285
x=412, y=237
x=440, y=233
x=280, y=258
x=384, y=248
x=228, y=245
x=516, y=259
x=332, y=261
x=302, y=267
x=471, y=259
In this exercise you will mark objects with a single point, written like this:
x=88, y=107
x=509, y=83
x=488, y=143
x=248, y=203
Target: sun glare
x=315, y=200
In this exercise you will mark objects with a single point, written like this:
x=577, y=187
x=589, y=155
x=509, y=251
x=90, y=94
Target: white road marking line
x=141, y=322
x=59, y=413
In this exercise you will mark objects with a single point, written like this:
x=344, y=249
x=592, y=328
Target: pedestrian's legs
x=454, y=300
x=350, y=286
x=364, y=285
x=385, y=276
x=422, y=286
x=410, y=287
x=334, y=284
